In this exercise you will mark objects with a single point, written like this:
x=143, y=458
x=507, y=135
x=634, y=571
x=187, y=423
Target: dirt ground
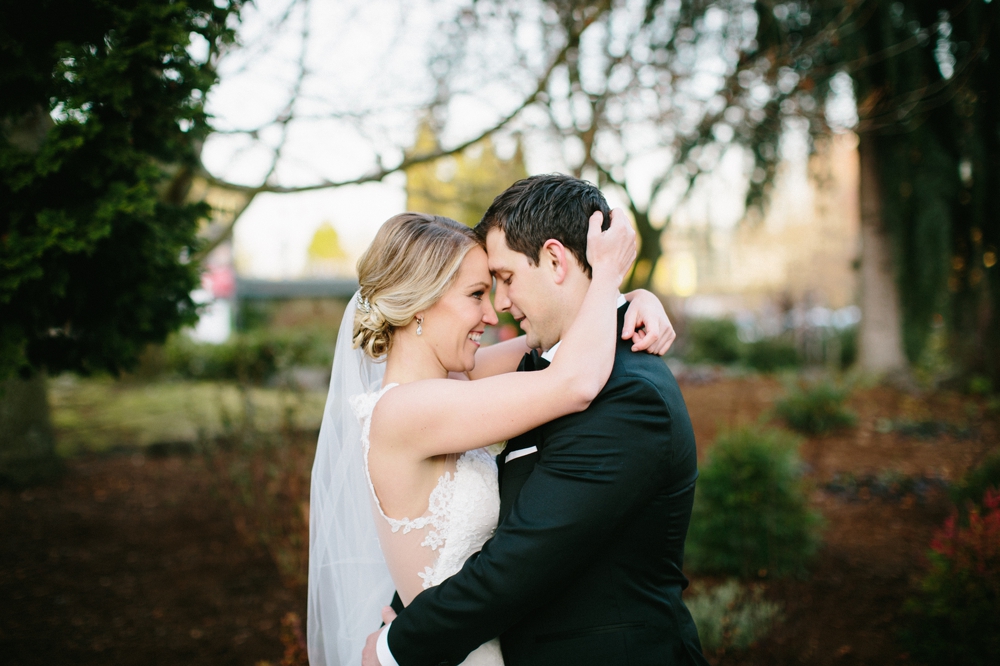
x=133, y=559
x=848, y=610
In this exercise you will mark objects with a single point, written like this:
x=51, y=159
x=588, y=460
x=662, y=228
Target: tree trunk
x=649, y=253
x=27, y=441
x=880, y=334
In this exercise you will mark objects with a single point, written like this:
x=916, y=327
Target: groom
x=585, y=565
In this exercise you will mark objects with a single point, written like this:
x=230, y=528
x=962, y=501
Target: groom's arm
x=593, y=471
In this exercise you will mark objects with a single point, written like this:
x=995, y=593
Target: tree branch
x=377, y=175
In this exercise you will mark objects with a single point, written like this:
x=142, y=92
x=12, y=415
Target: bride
x=412, y=448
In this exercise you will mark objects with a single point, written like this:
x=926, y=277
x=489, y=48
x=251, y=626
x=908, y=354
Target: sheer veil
x=349, y=582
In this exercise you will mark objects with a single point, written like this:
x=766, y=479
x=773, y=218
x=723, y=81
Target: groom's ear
x=555, y=258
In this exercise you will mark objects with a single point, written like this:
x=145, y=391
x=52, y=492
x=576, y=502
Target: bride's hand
x=611, y=251
x=647, y=323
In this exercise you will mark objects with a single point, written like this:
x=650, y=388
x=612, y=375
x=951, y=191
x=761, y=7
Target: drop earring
x=420, y=327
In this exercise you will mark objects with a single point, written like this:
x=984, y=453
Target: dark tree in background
x=695, y=77
x=925, y=76
x=101, y=119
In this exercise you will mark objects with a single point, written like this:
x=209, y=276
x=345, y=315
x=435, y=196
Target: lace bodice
x=462, y=513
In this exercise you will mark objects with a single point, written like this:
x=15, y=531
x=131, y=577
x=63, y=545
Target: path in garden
x=132, y=560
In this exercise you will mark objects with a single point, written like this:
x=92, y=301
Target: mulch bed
x=132, y=559
x=135, y=559
x=882, y=490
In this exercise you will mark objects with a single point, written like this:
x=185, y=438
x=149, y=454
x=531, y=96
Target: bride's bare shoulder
x=404, y=408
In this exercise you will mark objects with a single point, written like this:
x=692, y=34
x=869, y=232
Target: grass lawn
x=98, y=413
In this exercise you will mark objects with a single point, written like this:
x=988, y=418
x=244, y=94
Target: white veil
x=349, y=582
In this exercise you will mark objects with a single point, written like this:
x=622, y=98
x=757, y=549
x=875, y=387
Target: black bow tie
x=533, y=361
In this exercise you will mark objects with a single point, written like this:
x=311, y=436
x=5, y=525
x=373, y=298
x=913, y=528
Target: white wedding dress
x=462, y=513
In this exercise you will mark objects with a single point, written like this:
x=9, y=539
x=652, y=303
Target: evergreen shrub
x=848, y=347
x=955, y=616
x=751, y=512
x=770, y=354
x=251, y=358
x=815, y=408
x=713, y=341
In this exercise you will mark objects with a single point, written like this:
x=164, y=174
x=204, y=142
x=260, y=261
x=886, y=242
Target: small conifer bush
x=815, y=408
x=751, y=512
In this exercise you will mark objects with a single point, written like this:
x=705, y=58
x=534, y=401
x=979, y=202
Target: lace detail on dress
x=462, y=513
x=472, y=512
x=363, y=406
x=462, y=509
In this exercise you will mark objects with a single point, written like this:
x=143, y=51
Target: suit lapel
x=511, y=477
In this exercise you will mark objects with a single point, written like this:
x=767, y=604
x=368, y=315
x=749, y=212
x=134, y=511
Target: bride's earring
x=420, y=327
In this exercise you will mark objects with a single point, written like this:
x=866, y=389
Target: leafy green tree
x=101, y=119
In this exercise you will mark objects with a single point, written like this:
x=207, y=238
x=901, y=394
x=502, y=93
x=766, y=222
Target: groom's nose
x=489, y=314
x=500, y=300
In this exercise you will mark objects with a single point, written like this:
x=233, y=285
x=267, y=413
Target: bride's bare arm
x=499, y=358
x=438, y=416
x=646, y=324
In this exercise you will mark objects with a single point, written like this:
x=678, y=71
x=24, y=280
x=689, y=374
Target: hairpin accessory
x=364, y=305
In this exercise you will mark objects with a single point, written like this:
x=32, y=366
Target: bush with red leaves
x=955, y=616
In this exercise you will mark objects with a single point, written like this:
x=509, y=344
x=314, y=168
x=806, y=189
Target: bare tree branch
x=377, y=175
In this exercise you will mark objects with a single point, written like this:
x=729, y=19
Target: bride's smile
x=453, y=326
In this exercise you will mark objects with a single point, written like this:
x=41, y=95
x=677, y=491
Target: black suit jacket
x=585, y=566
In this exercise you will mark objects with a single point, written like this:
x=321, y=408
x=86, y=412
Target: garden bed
x=133, y=558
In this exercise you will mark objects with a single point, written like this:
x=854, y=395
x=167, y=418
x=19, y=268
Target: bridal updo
x=406, y=269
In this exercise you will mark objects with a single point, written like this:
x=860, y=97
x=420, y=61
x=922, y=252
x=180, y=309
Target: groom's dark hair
x=533, y=210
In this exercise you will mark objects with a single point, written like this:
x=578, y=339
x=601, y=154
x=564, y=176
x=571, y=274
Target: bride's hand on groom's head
x=613, y=249
x=647, y=324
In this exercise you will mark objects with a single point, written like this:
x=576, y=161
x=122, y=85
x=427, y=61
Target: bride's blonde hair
x=406, y=269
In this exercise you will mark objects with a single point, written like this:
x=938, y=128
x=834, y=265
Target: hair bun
x=406, y=269
x=371, y=330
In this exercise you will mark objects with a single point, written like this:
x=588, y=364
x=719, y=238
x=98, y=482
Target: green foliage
x=971, y=489
x=717, y=341
x=770, y=354
x=100, y=120
x=930, y=115
x=980, y=385
x=732, y=616
x=848, y=346
x=250, y=358
x=955, y=616
x=815, y=408
x=751, y=512
x=713, y=341
x=94, y=414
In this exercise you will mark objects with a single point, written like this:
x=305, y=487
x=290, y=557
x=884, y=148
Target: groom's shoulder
x=644, y=371
x=640, y=366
